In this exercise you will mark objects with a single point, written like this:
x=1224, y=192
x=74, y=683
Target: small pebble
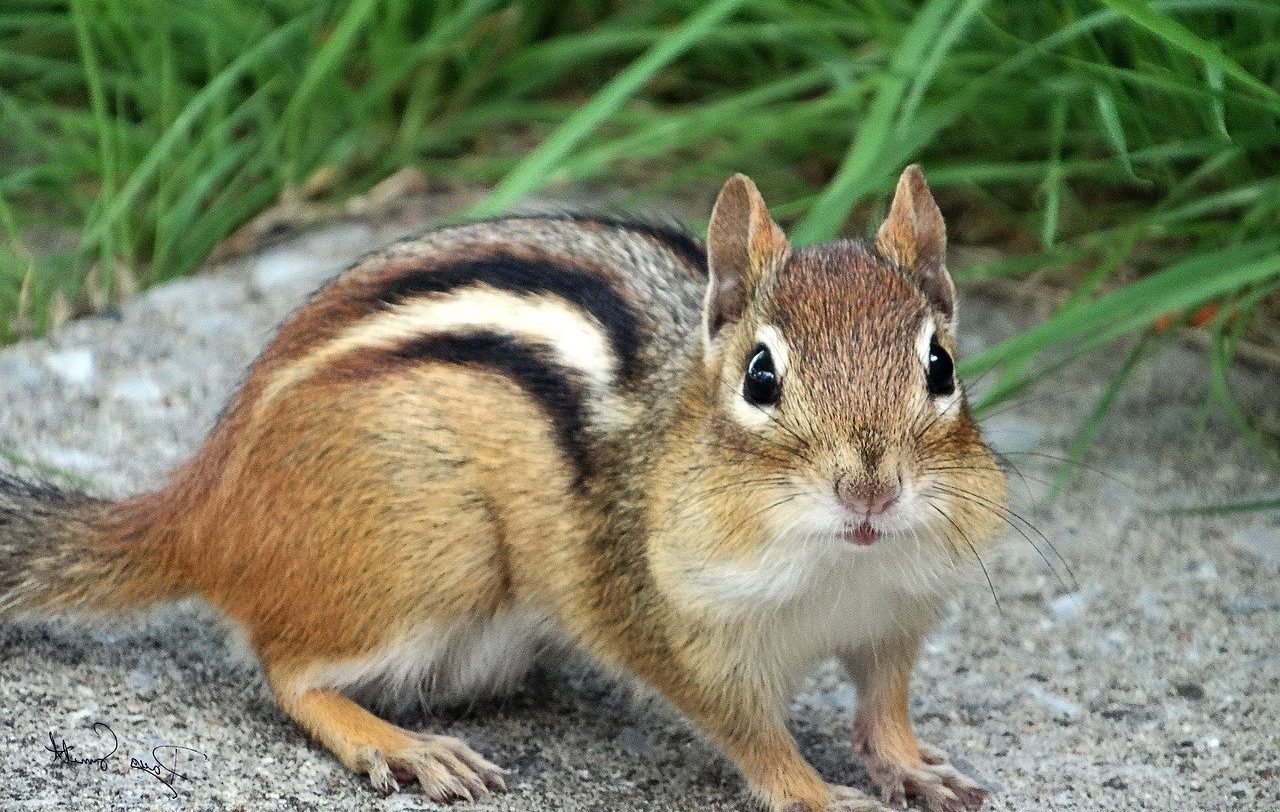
x=75, y=366
x=1069, y=606
x=633, y=740
x=144, y=683
x=1057, y=702
x=1260, y=540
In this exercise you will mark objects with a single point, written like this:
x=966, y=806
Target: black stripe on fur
x=557, y=390
x=590, y=292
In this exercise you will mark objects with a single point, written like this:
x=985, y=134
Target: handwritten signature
x=164, y=768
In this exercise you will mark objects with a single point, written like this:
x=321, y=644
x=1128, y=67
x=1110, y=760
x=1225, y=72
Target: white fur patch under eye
x=749, y=414
x=949, y=406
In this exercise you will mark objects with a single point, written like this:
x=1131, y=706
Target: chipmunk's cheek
x=913, y=514
x=810, y=515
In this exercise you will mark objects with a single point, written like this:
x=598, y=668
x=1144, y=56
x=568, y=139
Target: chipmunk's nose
x=866, y=498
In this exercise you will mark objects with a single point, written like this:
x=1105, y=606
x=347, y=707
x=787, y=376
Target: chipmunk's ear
x=914, y=237
x=744, y=245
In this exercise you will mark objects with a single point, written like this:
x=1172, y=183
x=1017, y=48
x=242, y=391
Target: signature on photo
x=163, y=765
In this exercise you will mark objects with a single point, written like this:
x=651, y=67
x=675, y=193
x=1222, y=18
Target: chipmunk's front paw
x=847, y=799
x=841, y=799
x=942, y=787
x=445, y=768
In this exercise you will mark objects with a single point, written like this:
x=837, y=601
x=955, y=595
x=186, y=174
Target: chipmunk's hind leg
x=445, y=767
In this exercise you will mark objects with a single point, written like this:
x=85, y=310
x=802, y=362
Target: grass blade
x=1094, y=421
x=208, y=95
x=865, y=161
x=1178, y=35
x=533, y=172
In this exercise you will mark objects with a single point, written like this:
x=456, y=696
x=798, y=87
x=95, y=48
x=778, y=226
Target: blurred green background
x=1123, y=153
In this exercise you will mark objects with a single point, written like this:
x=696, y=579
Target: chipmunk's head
x=834, y=375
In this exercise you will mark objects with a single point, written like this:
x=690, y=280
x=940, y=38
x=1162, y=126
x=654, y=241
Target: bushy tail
x=64, y=551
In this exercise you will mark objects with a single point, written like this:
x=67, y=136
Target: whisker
x=771, y=506
x=972, y=549
x=1005, y=514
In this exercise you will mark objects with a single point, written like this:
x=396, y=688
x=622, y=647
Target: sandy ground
x=1147, y=679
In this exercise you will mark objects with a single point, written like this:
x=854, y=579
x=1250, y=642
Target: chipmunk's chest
x=795, y=606
x=849, y=604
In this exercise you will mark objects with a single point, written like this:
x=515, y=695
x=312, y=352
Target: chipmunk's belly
x=442, y=665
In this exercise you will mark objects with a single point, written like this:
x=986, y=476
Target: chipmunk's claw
x=445, y=768
x=846, y=799
x=940, y=786
x=840, y=799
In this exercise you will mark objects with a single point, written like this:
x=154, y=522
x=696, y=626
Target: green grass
x=1127, y=148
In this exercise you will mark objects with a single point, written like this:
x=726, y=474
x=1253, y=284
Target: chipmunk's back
x=571, y=308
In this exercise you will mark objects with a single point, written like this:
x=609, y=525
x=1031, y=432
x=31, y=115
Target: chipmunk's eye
x=941, y=374
x=761, y=385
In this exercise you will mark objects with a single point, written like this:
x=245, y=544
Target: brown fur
x=382, y=499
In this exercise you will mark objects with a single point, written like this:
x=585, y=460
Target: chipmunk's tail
x=63, y=551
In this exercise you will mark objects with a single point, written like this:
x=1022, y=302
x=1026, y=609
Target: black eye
x=761, y=386
x=941, y=374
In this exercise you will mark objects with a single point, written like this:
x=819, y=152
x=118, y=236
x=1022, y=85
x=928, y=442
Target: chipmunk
x=705, y=467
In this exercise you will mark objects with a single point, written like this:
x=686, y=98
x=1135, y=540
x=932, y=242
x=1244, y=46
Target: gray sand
x=1150, y=680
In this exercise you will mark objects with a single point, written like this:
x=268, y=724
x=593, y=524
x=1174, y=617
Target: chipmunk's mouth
x=863, y=534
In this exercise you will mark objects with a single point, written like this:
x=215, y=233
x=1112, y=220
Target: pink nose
x=863, y=498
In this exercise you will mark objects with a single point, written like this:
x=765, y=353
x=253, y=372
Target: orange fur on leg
x=445, y=767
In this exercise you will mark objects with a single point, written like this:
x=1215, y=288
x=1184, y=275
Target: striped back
x=574, y=310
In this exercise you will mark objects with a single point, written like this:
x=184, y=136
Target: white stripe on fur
x=574, y=338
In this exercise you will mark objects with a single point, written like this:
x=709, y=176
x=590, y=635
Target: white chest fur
x=804, y=599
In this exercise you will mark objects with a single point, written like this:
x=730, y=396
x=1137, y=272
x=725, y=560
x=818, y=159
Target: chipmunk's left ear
x=744, y=246
x=914, y=237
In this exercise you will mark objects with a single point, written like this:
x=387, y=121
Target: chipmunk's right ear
x=915, y=237
x=744, y=245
